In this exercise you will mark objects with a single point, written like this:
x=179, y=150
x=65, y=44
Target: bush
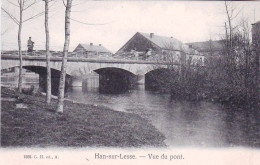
x=28, y=91
x=189, y=87
x=229, y=95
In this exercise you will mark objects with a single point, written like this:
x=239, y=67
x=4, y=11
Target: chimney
x=91, y=44
x=190, y=46
x=100, y=45
x=151, y=35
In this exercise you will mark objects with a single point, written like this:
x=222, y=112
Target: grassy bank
x=80, y=125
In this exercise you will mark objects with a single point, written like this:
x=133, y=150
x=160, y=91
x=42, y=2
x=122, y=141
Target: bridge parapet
x=80, y=66
x=76, y=59
x=83, y=66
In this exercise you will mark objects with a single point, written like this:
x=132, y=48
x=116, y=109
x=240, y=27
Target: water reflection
x=183, y=123
x=11, y=79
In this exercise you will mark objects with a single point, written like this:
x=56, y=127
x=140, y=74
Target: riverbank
x=37, y=125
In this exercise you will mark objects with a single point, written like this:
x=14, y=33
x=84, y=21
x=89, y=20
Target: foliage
x=230, y=77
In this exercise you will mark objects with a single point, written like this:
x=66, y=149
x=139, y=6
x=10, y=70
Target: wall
x=138, y=43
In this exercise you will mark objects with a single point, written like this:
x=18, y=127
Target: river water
x=184, y=124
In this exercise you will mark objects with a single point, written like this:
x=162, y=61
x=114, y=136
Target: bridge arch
x=122, y=71
x=41, y=71
x=79, y=67
x=115, y=80
x=113, y=69
x=15, y=63
x=158, y=79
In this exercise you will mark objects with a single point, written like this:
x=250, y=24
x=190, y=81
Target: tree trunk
x=231, y=64
x=20, y=81
x=64, y=59
x=256, y=68
x=48, y=90
x=229, y=24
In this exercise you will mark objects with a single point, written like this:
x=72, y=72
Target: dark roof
x=207, y=46
x=93, y=48
x=168, y=43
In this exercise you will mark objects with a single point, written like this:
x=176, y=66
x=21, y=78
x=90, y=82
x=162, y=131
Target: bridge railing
x=40, y=56
x=24, y=53
x=76, y=59
x=54, y=54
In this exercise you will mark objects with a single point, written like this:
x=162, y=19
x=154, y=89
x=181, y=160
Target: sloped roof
x=94, y=48
x=164, y=42
x=170, y=43
x=207, y=46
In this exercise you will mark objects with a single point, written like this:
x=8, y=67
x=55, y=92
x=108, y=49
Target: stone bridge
x=78, y=67
x=112, y=72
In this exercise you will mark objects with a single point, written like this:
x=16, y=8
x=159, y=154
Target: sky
x=113, y=23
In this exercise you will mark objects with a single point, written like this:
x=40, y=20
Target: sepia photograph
x=130, y=82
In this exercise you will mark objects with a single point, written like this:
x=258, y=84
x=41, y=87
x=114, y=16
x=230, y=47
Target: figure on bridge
x=30, y=45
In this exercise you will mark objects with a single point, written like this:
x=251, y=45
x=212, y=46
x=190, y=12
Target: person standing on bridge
x=30, y=45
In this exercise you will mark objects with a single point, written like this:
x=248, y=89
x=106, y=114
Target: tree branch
x=63, y=3
x=30, y=5
x=35, y=16
x=237, y=14
x=12, y=3
x=89, y=23
x=11, y=16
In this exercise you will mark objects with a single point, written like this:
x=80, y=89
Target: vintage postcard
x=130, y=82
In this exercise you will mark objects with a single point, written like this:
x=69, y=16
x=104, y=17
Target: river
x=184, y=124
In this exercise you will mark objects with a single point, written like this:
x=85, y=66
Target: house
x=212, y=50
x=90, y=50
x=256, y=33
x=150, y=47
x=208, y=47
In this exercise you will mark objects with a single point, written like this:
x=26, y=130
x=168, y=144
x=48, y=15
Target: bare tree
x=23, y=6
x=48, y=77
x=177, y=72
x=233, y=73
x=232, y=12
x=64, y=59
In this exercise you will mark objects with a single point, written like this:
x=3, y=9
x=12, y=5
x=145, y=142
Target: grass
x=79, y=126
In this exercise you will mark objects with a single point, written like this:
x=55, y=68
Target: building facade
x=91, y=51
x=144, y=46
